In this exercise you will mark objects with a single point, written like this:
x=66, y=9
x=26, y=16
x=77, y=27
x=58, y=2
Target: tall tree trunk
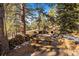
x=3, y=41
x=23, y=19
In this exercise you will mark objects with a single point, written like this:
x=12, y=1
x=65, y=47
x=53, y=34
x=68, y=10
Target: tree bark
x=23, y=28
x=3, y=41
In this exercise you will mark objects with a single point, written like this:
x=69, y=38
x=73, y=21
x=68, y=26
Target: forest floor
x=65, y=46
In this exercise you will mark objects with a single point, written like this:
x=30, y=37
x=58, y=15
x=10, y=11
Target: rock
x=51, y=53
x=37, y=53
x=25, y=50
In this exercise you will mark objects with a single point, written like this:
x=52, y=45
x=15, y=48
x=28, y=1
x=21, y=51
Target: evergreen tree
x=67, y=16
x=3, y=41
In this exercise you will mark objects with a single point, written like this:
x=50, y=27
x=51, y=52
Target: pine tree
x=67, y=16
x=3, y=41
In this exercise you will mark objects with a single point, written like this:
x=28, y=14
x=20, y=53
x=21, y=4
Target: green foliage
x=12, y=19
x=52, y=12
x=67, y=16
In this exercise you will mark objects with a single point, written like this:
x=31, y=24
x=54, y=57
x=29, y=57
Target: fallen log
x=70, y=37
x=44, y=35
